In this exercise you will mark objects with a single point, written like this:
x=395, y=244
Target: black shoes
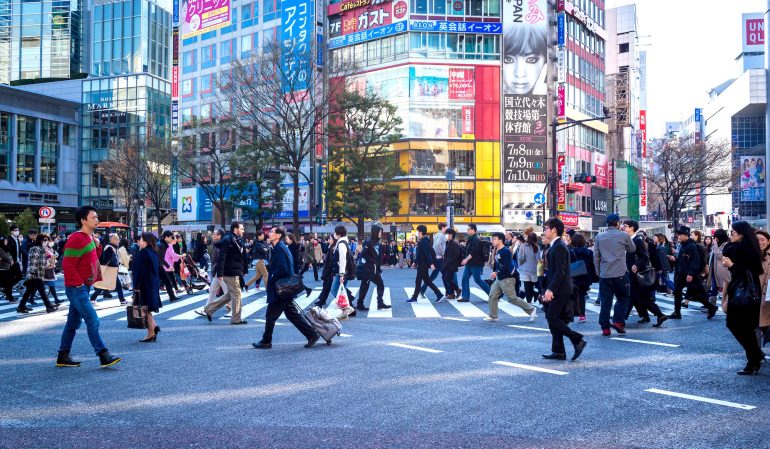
x=65, y=361
x=750, y=369
x=579, y=349
x=463, y=300
x=312, y=341
x=24, y=310
x=308, y=291
x=107, y=359
x=208, y=317
x=644, y=320
x=362, y=307
x=675, y=316
x=383, y=307
x=353, y=313
x=149, y=339
x=554, y=356
x=712, y=312
x=239, y=322
x=262, y=345
x=661, y=319
x=51, y=309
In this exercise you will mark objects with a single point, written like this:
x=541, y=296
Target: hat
x=613, y=218
x=683, y=230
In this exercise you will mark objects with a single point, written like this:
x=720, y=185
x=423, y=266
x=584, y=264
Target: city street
x=424, y=376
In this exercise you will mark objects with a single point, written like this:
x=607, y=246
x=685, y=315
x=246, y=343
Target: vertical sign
x=562, y=102
x=643, y=195
x=175, y=15
x=561, y=195
x=525, y=49
x=643, y=132
x=296, y=32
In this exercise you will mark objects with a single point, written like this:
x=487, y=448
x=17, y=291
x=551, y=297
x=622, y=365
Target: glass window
x=434, y=202
x=420, y=6
x=25, y=158
x=436, y=162
x=5, y=145
x=49, y=140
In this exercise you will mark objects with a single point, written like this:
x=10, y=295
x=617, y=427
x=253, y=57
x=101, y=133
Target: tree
x=210, y=166
x=257, y=190
x=157, y=160
x=5, y=228
x=360, y=159
x=278, y=101
x=123, y=172
x=26, y=220
x=682, y=168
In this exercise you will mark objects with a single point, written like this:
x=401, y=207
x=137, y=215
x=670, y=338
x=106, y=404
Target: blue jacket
x=504, y=263
x=281, y=266
x=145, y=276
x=425, y=253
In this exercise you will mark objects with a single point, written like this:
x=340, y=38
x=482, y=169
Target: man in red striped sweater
x=81, y=270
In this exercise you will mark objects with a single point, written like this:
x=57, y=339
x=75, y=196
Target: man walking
x=371, y=271
x=689, y=267
x=425, y=259
x=451, y=264
x=639, y=262
x=557, y=300
x=505, y=284
x=439, y=246
x=229, y=269
x=81, y=270
x=610, y=251
x=473, y=263
x=281, y=267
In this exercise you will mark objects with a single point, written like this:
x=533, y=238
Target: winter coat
x=764, y=309
x=528, y=263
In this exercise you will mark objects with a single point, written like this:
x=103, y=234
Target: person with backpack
x=583, y=281
x=343, y=265
x=640, y=261
x=425, y=258
x=474, y=264
x=688, y=270
x=327, y=276
x=504, y=284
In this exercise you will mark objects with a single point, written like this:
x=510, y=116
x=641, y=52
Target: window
x=246, y=45
x=49, y=137
x=623, y=48
x=5, y=145
x=433, y=202
x=436, y=162
x=420, y=6
x=208, y=56
x=25, y=158
x=226, y=51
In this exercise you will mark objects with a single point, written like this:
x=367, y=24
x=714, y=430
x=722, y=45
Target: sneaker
x=440, y=299
x=582, y=319
x=597, y=302
x=489, y=318
x=411, y=300
x=619, y=327
x=533, y=316
x=463, y=300
x=450, y=296
x=383, y=307
x=107, y=359
x=65, y=361
x=606, y=332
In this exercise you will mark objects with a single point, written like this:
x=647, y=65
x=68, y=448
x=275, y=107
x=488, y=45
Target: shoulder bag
x=747, y=293
x=291, y=285
x=646, y=278
x=136, y=313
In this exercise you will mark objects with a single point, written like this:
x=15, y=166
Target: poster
x=440, y=122
x=525, y=32
x=753, y=174
x=201, y=16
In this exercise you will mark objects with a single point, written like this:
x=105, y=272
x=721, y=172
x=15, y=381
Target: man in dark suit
x=557, y=299
x=425, y=259
x=281, y=267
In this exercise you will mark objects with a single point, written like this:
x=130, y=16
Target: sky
x=691, y=47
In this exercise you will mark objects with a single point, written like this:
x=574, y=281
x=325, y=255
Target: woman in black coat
x=147, y=282
x=291, y=242
x=742, y=258
x=583, y=282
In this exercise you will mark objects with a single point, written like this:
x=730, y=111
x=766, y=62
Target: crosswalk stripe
x=373, y=312
x=251, y=308
x=423, y=307
x=178, y=304
x=502, y=304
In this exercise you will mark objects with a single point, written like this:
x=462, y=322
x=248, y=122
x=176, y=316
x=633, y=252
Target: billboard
x=192, y=204
x=201, y=16
x=753, y=178
x=446, y=26
x=753, y=32
x=296, y=33
x=525, y=33
x=373, y=16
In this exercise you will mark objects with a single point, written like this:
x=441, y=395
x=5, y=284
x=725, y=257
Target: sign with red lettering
x=175, y=82
x=643, y=129
x=753, y=32
x=570, y=220
x=461, y=84
x=561, y=191
x=369, y=17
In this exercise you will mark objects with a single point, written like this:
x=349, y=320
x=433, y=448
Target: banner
x=753, y=178
x=643, y=195
x=201, y=16
x=525, y=31
x=446, y=26
x=296, y=34
x=561, y=193
x=643, y=131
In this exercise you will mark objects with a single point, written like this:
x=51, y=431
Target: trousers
x=375, y=279
x=287, y=307
x=506, y=287
x=695, y=291
x=232, y=295
x=422, y=276
x=555, y=313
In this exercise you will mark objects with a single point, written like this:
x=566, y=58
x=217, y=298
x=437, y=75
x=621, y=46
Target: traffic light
x=584, y=178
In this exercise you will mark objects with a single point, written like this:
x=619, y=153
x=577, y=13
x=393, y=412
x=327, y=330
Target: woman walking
x=291, y=242
x=667, y=257
x=49, y=279
x=719, y=275
x=528, y=260
x=742, y=302
x=262, y=255
x=36, y=265
x=147, y=283
x=764, y=309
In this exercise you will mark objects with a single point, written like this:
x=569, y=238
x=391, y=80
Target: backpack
x=350, y=263
x=486, y=249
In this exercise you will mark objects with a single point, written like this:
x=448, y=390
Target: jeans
x=609, y=287
x=475, y=271
x=666, y=277
x=81, y=309
x=434, y=275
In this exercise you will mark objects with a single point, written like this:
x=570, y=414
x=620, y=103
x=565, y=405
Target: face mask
x=51, y=244
x=15, y=233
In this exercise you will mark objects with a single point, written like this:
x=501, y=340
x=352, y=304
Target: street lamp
x=450, y=178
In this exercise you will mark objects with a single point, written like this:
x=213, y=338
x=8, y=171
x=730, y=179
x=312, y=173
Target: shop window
x=25, y=157
x=434, y=202
x=49, y=136
x=436, y=162
x=5, y=145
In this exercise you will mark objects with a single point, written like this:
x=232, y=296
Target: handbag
x=578, y=268
x=136, y=314
x=646, y=278
x=747, y=293
x=109, y=278
x=290, y=286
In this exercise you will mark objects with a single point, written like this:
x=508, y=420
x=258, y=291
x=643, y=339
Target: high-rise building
x=41, y=40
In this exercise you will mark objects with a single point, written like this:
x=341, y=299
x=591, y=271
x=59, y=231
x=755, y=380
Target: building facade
x=42, y=40
x=38, y=154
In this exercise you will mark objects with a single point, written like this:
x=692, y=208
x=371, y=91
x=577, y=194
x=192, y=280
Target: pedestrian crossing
x=254, y=306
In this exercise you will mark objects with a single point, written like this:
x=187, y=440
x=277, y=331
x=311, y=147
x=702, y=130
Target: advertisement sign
x=175, y=82
x=347, y=5
x=201, y=16
x=570, y=220
x=175, y=12
x=753, y=32
x=192, y=204
x=561, y=66
x=444, y=121
x=360, y=19
x=753, y=178
x=288, y=199
x=174, y=117
x=601, y=170
x=561, y=29
x=698, y=115
x=445, y=26
x=643, y=132
x=561, y=192
x=525, y=31
x=467, y=117
x=367, y=35
x=643, y=195
x=562, y=103
x=175, y=46
x=296, y=34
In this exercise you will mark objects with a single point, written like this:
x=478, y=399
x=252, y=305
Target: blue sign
x=539, y=199
x=561, y=30
x=698, y=113
x=175, y=20
x=455, y=27
x=367, y=35
x=529, y=215
x=296, y=33
x=319, y=48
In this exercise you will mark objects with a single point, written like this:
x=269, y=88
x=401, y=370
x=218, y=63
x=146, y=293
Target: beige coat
x=764, y=310
x=721, y=272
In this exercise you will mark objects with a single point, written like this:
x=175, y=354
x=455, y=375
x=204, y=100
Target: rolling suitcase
x=319, y=320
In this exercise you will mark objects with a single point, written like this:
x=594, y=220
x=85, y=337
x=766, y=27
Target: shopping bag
x=109, y=278
x=342, y=298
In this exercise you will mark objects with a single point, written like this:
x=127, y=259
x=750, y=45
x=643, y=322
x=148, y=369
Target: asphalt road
x=400, y=381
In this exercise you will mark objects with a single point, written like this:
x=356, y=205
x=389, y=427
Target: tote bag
x=109, y=278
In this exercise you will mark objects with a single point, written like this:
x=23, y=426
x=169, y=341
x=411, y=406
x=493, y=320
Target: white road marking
x=423, y=308
x=502, y=304
x=668, y=345
x=701, y=399
x=345, y=335
x=532, y=368
x=532, y=328
x=416, y=348
x=373, y=312
x=455, y=318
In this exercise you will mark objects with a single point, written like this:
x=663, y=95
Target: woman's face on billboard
x=522, y=72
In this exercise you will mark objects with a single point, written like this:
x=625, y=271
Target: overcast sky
x=691, y=48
